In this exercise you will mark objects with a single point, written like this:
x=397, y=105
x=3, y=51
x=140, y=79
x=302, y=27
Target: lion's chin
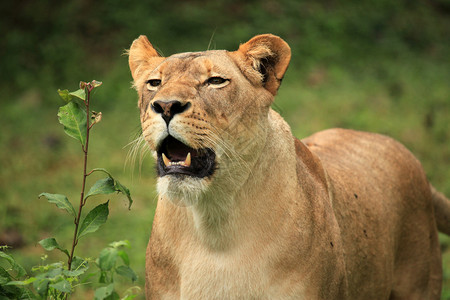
x=182, y=190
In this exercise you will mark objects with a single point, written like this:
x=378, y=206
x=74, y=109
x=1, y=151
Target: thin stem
x=85, y=150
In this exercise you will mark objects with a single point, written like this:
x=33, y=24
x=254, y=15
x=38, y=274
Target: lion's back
x=354, y=157
x=380, y=193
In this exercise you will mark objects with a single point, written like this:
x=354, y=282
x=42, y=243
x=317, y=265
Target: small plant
x=58, y=280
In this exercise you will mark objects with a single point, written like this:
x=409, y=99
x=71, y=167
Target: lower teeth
x=185, y=163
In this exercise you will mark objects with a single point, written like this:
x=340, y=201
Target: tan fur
x=339, y=215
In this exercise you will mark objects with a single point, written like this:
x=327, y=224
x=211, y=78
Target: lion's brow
x=190, y=55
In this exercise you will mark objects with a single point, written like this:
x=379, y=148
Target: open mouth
x=176, y=158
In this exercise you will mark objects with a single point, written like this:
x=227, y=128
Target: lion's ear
x=142, y=56
x=269, y=56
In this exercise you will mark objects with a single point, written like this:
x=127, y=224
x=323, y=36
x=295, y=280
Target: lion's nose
x=168, y=109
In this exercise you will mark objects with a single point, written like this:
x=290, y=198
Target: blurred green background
x=381, y=66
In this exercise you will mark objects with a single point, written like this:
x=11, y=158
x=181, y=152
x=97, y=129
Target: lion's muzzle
x=168, y=109
x=176, y=158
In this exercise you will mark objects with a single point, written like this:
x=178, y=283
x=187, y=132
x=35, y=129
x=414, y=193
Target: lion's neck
x=214, y=222
x=224, y=219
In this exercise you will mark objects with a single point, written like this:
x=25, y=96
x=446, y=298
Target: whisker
x=211, y=39
x=145, y=150
x=216, y=137
x=137, y=147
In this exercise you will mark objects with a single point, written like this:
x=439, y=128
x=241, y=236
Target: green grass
x=407, y=99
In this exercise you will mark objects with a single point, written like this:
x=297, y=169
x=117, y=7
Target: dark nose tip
x=168, y=109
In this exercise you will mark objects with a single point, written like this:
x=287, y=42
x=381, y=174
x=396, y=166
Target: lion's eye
x=217, y=81
x=152, y=84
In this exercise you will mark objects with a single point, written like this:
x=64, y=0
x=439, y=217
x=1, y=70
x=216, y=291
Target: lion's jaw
x=185, y=191
x=230, y=174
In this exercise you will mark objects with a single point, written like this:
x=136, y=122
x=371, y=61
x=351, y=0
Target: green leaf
x=124, y=256
x=64, y=94
x=94, y=219
x=4, y=276
x=8, y=257
x=117, y=186
x=113, y=296
x=119, y=244
x=102, y=170
x=102, y=186
x=53, y=273
x=126, y=272
x=78, y=264
x=96, y=83
x=50, y=244
x=73, y=117
x=10, y=289
x=124, y=190
x=103, y=277
x=81, y=94
x=41, y=286
x=62, y=286
x=103, y=292
x=24, y=282
x=14, y=265
x=87, y=279
x=107, y=259
x=61, y=201
x=19, y=269
x=74, y=273
x=10, y=292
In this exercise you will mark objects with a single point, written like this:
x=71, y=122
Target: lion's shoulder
x=310, y=162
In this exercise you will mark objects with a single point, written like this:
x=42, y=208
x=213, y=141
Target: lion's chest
x=237, y=275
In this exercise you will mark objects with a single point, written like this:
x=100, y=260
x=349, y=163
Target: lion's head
x=204, y=114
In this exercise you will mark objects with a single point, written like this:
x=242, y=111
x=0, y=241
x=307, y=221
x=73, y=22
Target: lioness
x=247, y=211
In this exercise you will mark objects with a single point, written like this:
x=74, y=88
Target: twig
x=89, y=87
